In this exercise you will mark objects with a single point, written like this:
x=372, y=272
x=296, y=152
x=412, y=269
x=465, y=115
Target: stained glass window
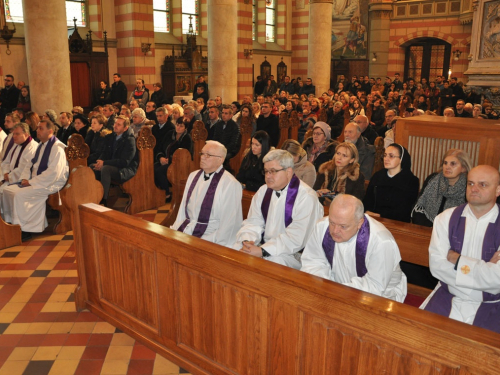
x=161, y=16
x=74, y=9
x=270, y=20
x=190, y=8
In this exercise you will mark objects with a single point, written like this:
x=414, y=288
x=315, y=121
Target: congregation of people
x=292, y=182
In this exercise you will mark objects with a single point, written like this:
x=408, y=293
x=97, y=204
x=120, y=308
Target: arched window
x=74, y=9
x=427, y=58
x=161, y=16
x=270, y=20
x=190, y=8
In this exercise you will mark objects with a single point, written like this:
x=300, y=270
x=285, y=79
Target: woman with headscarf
x=443, y=189
x=320, y=147
x=302, y=168
x=392, y=191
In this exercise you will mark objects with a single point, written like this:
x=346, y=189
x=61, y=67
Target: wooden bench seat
x=213, y=310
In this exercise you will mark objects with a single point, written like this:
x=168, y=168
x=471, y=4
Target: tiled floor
x=40, y=331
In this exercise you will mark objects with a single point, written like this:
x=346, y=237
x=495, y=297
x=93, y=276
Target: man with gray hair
x=352, y=134
x=18, y=157
x=282, y=214
x=211, y=203
x=189, y=118
x=366, y=131
x=353, y=249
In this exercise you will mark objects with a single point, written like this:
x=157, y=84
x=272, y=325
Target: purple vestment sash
x=487, y=315
x=361, y=247
x=9, y=146
x=44, y=163
x=206, y=206
x=23, y=146
x=291, y=196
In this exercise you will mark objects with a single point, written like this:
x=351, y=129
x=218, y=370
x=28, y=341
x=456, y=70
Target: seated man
x=352, y=134
x=355, y=250
x=66, y=129
x=282, y=214
x=464, y=254
x=211, y=204
x=227, y=132
x=118, y=162
x=24, y=203
x=11, y=119
x=19, y=156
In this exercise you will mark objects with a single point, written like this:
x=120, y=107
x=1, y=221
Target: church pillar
x=380, y=24
x=320, y=44
x=135, y=31
x=223, y=49
x=47, y=55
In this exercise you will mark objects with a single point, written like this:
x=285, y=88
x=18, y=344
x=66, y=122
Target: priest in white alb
x=18, y=157
x=464, y=255
x=211, y=204
x=24, y=203
x=353, y=249
x=282, y=214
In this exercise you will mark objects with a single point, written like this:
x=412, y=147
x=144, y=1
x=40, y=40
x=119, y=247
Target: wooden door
x=80, y=84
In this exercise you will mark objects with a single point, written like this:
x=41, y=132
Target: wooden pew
x=213, y=310
x=181, y=167
x=141, y=189
x=246, y=134
x=427, y=139
x=77, y=153
x=294, y=126
x=284, y=129
x=10, y=235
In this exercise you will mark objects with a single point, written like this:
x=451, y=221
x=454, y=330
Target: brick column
x=300, y=30
x=47, y=53
x=95, y=17
x=380, y=24
x=320, y=44
x=134, y=26
x=223, y=49
x=245, y=78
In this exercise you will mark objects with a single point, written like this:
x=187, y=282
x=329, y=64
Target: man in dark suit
x=213, y=119
x=118, y=162
x=118, y=90
x=269, y=123
x=227, y=132
x=9, y=96
x=66, y=129
x=160, y=130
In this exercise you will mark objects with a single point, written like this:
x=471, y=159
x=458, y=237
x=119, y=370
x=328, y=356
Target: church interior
x=63, y=50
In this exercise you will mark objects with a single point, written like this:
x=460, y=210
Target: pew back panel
x=246, y=133
x=141, y=189
x=294, y=126
x=427, y=139
x=10, y=235
x=218, y=311
x=284, y=125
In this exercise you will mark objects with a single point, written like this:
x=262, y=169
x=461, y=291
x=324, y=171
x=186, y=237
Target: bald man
x=353, y=249
x=464, y=254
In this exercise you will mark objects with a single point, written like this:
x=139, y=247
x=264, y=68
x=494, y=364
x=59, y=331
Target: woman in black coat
x=393, y=191
x=104, y=94
x=95, y=137
x=251, y=173
x=175, y=139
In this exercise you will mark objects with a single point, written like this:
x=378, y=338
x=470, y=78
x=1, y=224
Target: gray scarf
x=437, y=188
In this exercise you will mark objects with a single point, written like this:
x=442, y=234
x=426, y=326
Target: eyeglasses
x=272, y=172
x=204, y=154
x=391, y=156
x=318, y=133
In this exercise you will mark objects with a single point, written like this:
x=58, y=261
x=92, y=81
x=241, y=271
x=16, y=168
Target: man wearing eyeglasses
x=8, y=97
x=282, y=214
x=211, y=203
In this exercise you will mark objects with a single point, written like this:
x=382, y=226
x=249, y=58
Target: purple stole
x=9, y=146
x=488, y=314
x=291, y=195
x=44, y=163
x=361, y=247
x=206, y=206
x=23, y=146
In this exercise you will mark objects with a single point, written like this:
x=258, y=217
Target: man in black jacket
x=336, y=122
x=160, y=130
x=269, y=123
x=66, y=129
x=118, y=162
x=8, y=97
x=118, y=90
x=227, y=133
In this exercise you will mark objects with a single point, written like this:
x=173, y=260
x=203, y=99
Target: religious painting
x=183, y=85
x=349, y=29
x=490, y=33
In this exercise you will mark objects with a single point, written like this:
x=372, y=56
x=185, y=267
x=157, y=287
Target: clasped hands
x=452, y=257
x=250, y=248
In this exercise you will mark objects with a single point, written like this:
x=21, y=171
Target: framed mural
x=183, y=86
x=490, y=33
x=350, y=29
